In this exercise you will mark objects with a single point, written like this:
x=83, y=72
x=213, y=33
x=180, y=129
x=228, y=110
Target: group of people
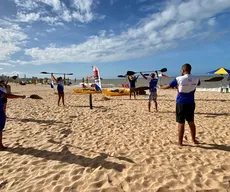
x=185, y=103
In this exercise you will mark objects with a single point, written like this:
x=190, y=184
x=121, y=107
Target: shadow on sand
x=66, y=156
x=42, y=121
x=215, y=147
x=89, y=150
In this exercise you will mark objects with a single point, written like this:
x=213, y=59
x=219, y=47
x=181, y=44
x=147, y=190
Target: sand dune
x=117, y=146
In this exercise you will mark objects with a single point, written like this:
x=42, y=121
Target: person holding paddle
x=132, y=85
x=60, y=89
x=152, y=89
x=3, y=94
x=185, y=102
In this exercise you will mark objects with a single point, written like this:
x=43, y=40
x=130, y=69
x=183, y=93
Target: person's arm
x=52, y=75
x=170, y=85
x=143, y=76
x=157, y=74
x=7, y=81
x=89, y=77
x=12, y=96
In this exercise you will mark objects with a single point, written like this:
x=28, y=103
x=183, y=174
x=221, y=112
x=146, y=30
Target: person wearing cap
x=2, y=112
x=152, y=89
x=185, y=103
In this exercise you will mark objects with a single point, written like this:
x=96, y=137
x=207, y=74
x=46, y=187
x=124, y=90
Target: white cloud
x=30, y=17
x=11, y=39
x=81, y=10
x=159, y=31
x=51, y=30
x=1, y=68
x=26, y=4
x=35, y=39
x=7, y=64
x=212, y=21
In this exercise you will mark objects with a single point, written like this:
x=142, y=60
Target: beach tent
x=220, y=71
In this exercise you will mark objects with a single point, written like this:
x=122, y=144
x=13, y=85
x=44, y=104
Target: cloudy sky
x=115, y=35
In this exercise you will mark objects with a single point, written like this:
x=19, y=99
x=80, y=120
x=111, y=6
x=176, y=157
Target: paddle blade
x=122, y=76
x=130, y=73
x=35, y=97
x=214, y=79
x=44, y=72
x=163, y=70
x=14, y=77
x=69, y=74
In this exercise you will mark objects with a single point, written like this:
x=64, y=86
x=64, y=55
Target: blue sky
x=115, y=35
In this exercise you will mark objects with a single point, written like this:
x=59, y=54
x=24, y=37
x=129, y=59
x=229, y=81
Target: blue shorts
x=2, y=121
x=152, y=96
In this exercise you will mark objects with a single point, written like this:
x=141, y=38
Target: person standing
x=185, y=102
x=132, y=85
x=152, y=89
x=3, y=94
x=60, y=89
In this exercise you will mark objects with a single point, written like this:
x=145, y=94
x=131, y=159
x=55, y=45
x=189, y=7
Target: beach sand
x=118, y=146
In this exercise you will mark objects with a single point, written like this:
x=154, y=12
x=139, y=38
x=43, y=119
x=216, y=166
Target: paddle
x=123, y=76
x=14, y=77
x=34, y=97
x=214, y=79
x=57, y=73
x=132, y=72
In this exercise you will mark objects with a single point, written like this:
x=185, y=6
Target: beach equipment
x=124, y=76
x=34, y=97
x=86, y=91
x=57, y=73
x=220, y=71
x=214, y=79
x=132, y=72
x=116, y=92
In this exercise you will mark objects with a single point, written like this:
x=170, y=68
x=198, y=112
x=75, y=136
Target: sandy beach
x=118, y=146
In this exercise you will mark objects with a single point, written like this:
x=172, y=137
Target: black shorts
x=4, y=100
x=185, y=112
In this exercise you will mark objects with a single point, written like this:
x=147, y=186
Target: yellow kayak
x=86, y=91
x=120, y=92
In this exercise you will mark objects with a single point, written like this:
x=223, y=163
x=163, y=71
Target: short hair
x=187, y=67
x=59, y=78
x=2, y=81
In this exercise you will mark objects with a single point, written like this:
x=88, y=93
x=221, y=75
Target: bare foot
x=195, y=142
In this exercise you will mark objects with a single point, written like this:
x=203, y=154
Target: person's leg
x=180, y=119
x=59, y=98
x=134, y=93
x=155, y=101
x=2, y=125
x=4, y=107
x=193, y=131
x=190, y=118
x=150, y=100
x=180, y=133
x=63, y=99
x=130, y=93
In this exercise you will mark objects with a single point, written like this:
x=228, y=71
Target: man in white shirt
x=185, y=102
